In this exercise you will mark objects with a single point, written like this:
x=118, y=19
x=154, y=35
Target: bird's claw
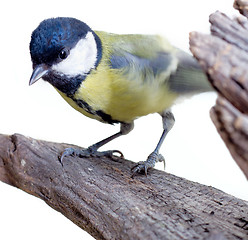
x=143, y=166
x=65, y=153
x=110, y=153
x=89, y=152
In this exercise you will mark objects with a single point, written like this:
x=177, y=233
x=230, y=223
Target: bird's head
x=63, y=52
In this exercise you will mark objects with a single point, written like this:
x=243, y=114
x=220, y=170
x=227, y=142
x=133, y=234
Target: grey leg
x=125, y=128
x=168, y=122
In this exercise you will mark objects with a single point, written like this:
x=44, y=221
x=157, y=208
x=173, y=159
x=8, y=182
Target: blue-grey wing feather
x=158, y=64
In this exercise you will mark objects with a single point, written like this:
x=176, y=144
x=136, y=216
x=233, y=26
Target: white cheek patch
x=81, y=60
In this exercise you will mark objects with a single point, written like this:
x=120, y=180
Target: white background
x=192, y=149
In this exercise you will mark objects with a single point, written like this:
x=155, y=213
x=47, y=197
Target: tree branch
x=242, y=6
x=224, y=57
x=100, y=196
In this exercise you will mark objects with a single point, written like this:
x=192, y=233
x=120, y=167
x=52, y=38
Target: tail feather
x=189, y=77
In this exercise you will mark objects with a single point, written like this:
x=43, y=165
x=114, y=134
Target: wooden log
x=100, y=196
x=224, y=57
x=232, y=126
x=242, y=6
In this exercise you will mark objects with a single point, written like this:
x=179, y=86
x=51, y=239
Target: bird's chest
x=110, y=96
x=94, y=96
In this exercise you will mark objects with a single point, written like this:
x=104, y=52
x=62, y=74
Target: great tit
x=113, y=78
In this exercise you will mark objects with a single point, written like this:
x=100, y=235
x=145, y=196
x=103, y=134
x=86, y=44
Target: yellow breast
x=123, y=99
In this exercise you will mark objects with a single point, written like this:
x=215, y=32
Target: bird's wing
x=144, y=57
x=127, y=60
x=153, y=58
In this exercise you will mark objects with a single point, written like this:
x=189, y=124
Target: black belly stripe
x=86, y=107
x=106, y=117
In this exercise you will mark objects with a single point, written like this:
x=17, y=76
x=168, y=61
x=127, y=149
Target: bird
x=114, y=78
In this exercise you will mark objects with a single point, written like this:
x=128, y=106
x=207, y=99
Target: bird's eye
x=64, y=54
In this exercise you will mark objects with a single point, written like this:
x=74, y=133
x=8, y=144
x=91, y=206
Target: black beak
x=38, y=73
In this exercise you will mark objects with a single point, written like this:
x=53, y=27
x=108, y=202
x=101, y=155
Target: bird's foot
x=88, y=152
x=143, y=166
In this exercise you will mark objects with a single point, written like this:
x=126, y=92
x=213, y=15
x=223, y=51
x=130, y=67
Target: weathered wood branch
x=232, y=125
x=100, y=196
x=242, y=6
x=224, y=57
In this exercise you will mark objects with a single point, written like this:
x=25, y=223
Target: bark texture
x=100, y=196
x=224, y=57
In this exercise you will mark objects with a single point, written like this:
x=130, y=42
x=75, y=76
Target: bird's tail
x=189, y=77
